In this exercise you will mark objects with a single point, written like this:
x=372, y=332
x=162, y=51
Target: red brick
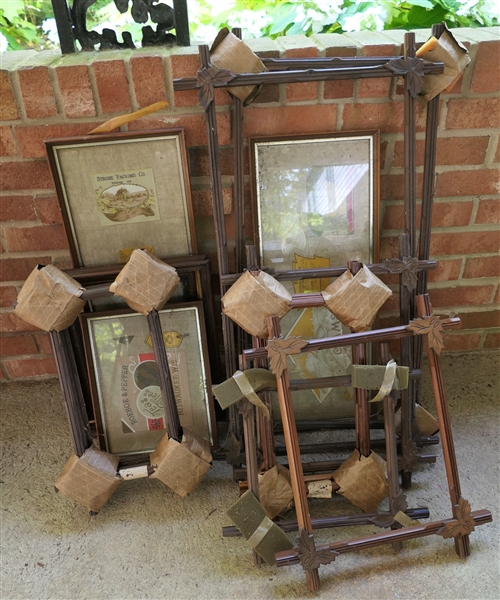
x=468, y=183
x=48, y=210
x=8, y=107
x=31, y=139
x=202, y=202
x=471, y=242
x=297, y=92
x=17, y=345
x=11, y=323
x=112, y=85
x=473, y=113
x=480, y=320
x=496, y=299
x=450, y=151
x=486, y=266
x=497, y=153
x=32, y=367
x=492, y=340
x=290, y=120
x=342, y=88
x=378, y=87
x=195, y=127
x=461, y=296
x=44, y=344
x=486, y=74
x=185, y=65
x=8, y=295
x=388, y=117
x=45, y=237
x=444, y=214
x=461, y=342
x=26, y=175
x=17, y=208
x=389, y=247
x=18, y=269
x=199, y=161
x=392, y=186
x=149, y=84
x=488, y=211
x=7, y=142
x=76, y=91
x=37, y=92
x=446, y=270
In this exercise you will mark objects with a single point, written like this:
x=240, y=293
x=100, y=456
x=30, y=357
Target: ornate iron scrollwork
x=72, y=24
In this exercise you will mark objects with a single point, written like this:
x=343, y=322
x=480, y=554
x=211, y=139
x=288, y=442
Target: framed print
x=316, y=204
x=316, y=199
x=124, y=379
x=122, y=191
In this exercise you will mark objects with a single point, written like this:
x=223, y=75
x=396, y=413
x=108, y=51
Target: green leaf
x=421, y=17
x=11, y=8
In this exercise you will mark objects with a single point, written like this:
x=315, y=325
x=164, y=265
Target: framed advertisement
x=316, y=205
x=121, y=191
x=124, y=379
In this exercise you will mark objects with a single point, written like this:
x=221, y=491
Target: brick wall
x=44, y=95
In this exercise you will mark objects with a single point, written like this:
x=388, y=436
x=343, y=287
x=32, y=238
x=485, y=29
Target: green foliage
x=30, y=24
x=21, y=23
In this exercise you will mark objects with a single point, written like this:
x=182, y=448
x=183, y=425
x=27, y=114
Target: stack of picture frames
x=316, y=207
x=128, y=378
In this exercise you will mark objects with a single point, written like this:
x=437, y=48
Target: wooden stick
x=376, y=335
x=293, y=452
x=362, y=410
x=71, y=391
x=117, y=122
x=298, y=76
x=291, y=557
x=325, y=272
x=167, y=390
x=327, y=522
x=391, y=447
x=450, y=460
x=333, y=465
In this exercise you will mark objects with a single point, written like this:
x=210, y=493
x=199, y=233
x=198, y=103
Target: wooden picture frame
x=316, y=195
x=124, y=190
x=124, y=382
x=316, y=205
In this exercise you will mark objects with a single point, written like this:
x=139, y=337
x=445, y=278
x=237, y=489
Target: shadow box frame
x=209, y=406
x=68, y=158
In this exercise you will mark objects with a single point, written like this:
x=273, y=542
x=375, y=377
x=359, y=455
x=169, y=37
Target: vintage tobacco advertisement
x=127, y=398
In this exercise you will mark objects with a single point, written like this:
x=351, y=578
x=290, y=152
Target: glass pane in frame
x=316, y=205
x=126, y=394
x=122, y=191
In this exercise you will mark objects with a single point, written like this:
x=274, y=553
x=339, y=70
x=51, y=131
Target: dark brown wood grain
x=291, y=557
x=164, y=379
x=293, y=452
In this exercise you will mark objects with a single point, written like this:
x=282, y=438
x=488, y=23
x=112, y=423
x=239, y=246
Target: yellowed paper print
x=126, y=196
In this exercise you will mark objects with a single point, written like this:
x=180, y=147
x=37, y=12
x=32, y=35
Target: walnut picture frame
x=121, y=191
x=124, y=383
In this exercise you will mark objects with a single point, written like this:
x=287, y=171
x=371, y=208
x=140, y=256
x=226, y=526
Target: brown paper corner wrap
x=229, y=52
x=91, y=479
x=275, y=491
x=252, y=299
x=264, y=536
x=356, y=299
x=363, y=480
x=49, y=299
x=455, y=57
x=181, y=466
x=427, y=423
x=145, y=282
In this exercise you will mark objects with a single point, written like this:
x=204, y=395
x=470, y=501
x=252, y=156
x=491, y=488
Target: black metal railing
x=71, y=24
